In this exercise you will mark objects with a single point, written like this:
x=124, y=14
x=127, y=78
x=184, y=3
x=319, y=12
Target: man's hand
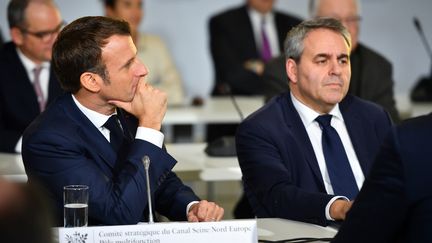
x=339, y=209
x=148, y=105
x=205, y=212
x=255, y=65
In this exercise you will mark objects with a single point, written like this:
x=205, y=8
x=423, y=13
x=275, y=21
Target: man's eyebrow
x=322, y=55
x=343, y=55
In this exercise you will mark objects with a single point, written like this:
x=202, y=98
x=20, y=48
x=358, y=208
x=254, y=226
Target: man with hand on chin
x=87, y=135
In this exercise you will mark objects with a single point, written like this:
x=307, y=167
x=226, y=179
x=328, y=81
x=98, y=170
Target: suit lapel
x=356, y=132
x=298, y=130
x=89, y=133
x=248, y=35
x=20, y=85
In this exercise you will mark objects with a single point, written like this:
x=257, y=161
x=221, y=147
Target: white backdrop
x=387, y=26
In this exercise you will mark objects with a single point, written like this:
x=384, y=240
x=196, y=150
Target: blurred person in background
x=151, y=50
x=27, y=82
x=242, y=39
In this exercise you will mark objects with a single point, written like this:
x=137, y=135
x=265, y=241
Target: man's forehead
x=118, y=48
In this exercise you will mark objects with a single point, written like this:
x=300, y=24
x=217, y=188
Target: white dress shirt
x=147, y=134
x=314, y=132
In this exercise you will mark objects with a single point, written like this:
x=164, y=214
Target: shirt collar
x=96, y=118
x=257, y=16
x=29, y=65
x=308, y=115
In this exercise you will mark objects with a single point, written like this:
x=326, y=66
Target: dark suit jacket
x=18, y=100
x=371, y=78
x=395, y=203
x=62, y=147
x=232, y=42
x=280, y=171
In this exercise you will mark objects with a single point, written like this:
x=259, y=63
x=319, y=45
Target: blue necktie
x=116, y=133
x=338, y=166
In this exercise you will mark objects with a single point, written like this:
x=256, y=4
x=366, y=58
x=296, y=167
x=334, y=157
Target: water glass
x=75, y=198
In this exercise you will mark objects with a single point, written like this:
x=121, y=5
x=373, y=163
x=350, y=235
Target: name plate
x=228, y=231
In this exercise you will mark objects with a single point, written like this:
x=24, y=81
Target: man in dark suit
x=85, y=137
x=34, y=26
x=239, y=52
x=395, y=203
x=236, y=44
x=284, y=150
x=371, y=73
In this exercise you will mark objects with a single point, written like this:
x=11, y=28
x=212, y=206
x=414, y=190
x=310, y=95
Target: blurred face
x=345, y=11
x=320, y=79
x=43, y=23
x=262, y=6
x=125, y=70
x=128, y=10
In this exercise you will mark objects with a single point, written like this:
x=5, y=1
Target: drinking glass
x=75, y=198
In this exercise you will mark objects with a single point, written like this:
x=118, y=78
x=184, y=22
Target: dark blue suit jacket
x=280, y=171
x=18, y=100
x=62, y=147
x=395, y=203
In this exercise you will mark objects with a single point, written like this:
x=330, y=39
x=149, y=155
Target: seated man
x=27, y=80
x=242, y=39
x=85, y=137
x=305, y=154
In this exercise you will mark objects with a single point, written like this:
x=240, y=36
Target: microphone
x=225, y=146
x=423, y=38
x=422, y=90
x=227, y=90
x=146, y=162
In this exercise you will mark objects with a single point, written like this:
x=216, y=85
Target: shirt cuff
x=327, y=208
x=18, y=146
x=190, y=205
x=150, y=135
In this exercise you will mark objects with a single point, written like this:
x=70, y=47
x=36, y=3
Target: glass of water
x=75, y=198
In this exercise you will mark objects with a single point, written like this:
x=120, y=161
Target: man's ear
x=17, y=36
x=91, y=81
x=291, y=70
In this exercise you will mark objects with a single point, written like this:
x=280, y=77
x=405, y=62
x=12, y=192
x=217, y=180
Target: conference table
x=214, y=110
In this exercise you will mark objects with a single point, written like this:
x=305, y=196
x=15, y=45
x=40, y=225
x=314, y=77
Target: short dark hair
x=110, y=3
x=294, y=41
x=78, y=49
x=16, y=12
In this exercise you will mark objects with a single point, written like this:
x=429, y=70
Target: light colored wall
x=386, y=26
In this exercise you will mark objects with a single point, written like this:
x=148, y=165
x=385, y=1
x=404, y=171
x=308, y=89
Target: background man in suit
x=371, y=73
x=84, y=139
x=27, y=82
x=282, y=148
x=238, y=47
x=395, y=202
